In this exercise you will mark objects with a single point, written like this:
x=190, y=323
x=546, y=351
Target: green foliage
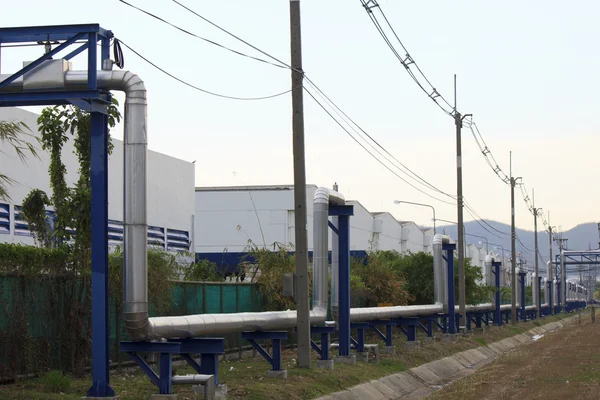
x=32, y=261
x=203, y=271
x=382, y=281
x=34, y=212
x=55, y=381
x=163, y=268
x=272, y=266
x=417, y=270
x=13, y=134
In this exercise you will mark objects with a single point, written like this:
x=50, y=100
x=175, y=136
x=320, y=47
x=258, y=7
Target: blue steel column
x=344, y=284
x=498, y=314
x=451, y=313
x=558, y=296
x=539, y=305
x=99, y=189
x=550, y=300
x=522, y=283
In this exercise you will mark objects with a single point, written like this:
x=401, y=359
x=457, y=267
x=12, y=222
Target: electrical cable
x=118, y=54
x=367, y=150
x=198, y=88
x=200, y=37
x=348, y=120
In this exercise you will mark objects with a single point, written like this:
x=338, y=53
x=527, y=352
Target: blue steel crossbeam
x=81, y=38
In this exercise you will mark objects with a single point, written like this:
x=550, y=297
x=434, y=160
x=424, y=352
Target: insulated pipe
x=335, y=269
x=488, y=270
x=135, y=276
x=440, y=271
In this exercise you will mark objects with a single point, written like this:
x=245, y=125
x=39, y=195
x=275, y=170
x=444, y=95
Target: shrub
x=55, y=381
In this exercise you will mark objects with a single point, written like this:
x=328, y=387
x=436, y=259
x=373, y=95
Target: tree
x=13, y=133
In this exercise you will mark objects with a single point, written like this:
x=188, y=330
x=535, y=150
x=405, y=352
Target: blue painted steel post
x=451, y=313
x=165, y=385
x=550, y=299
x=522, y=283
x=388, y=335
x=539, y=305
x=209, y=365
x=498, y=315
x=344, y=287
x=325, y=345
x=276, y=354
x=99, y=189
x=558, y=296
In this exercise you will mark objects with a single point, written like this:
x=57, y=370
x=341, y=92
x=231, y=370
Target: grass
x=246, y=378
x=55, y=381
x=561, y=365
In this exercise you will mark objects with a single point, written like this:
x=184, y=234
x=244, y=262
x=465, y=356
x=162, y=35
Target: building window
x=115, y=232
x=21, y=226
x=178, y=240
x=156, y=236
x=4, y=218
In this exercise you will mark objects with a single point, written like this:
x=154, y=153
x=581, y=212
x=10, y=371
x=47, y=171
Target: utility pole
x=303, y=309
x=459, y=202
x=536, y=288
x=563, y=270
x=513, y=235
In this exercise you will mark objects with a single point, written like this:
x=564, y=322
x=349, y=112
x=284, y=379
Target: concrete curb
x=420, y=381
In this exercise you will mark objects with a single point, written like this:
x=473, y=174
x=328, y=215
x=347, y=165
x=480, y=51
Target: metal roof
x=247, y=188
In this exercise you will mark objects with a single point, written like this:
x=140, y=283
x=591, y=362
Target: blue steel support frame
x=550, y=298
x=539, y=290
x=325, y=332
x=94, y=101
x=522, y=283
x=343, y=213
x=497, y=315
x=449, y=257
x=558, y=297
x=276, y=337
x=360, y=335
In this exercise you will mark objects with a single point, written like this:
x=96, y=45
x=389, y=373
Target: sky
x=527, y=71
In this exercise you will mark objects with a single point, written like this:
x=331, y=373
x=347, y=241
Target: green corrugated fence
x=42, y=329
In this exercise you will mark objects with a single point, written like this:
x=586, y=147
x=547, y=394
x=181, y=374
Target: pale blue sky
x=526, y=70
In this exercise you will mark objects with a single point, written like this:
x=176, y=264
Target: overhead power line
x=198, y=88
x=212, y=42
x=360, y=132
x=407, y=60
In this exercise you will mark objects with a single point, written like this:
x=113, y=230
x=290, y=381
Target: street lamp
x=487, y=247
x=464, y=230
x=494, y=244
x=419, y=204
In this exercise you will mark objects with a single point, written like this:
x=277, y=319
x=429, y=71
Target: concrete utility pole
x=513, y=235
x=459, y=203
x=536, y=288
x=563, y=271
x=302, y=298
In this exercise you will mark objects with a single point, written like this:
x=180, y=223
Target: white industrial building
x=217, y=223
x=229, y=218
x=170, y=190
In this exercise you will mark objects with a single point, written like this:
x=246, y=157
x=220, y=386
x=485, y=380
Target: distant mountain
x=581, y=237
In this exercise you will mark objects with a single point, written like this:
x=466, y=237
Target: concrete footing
x=101, y=398
x=388, y=350
x=163, y=397
x=428, y=339
x=362, y=357
x=219, y=392
x=411, y=345
x=350, y=360
x=478, y=331
x=277, y=374
x=324, y=364
x=447, y=337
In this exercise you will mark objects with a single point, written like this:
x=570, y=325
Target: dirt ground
x=562, y=365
